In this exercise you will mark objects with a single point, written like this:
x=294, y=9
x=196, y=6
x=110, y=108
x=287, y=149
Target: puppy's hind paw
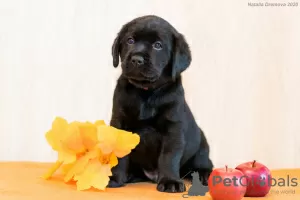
x=204, y=176
x=171, y=186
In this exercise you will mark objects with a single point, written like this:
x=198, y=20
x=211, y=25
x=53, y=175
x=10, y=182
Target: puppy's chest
x=146, y=112
x=141, y=110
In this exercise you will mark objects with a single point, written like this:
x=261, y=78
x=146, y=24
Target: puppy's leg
x=203, y=165
x=203, y=162
x=200, y=163
x=169, y=164
x=119, y=172
x=136, y=174
x=144, y=158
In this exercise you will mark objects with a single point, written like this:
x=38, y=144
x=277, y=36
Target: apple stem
x=253, y=164
x=226, y=167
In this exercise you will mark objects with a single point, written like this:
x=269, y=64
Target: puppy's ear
x=116, y=51
x=181, y=55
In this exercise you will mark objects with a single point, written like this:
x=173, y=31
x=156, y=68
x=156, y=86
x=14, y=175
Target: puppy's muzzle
x=137, y=60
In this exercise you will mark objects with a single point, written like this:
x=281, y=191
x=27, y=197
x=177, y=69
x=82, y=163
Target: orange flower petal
x=88, y=132
x=72, y=139
x=99, y=122
x=113, y=161
x=115, y=140
x=66, y=157
x=53, y=136
x=95, y=175
x=80, y=164
x=126, y=141
x=65, y=168
x=107, y=137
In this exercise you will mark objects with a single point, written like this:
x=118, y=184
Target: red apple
x=258, y=178
x=227, y=184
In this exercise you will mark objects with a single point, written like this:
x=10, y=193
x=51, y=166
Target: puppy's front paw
x=117, y=180
x=115, y=184
x=170, y=186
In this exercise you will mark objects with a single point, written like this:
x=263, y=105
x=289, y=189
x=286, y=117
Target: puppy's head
x=152, y=52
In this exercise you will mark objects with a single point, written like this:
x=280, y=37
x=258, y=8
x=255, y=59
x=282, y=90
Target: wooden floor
x=21, y=181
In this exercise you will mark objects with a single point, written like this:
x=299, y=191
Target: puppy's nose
x=137, y=60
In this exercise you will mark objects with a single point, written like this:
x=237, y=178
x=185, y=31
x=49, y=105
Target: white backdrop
x=243, y=84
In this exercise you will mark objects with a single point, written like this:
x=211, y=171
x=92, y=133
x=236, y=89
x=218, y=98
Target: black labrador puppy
x=149, y=100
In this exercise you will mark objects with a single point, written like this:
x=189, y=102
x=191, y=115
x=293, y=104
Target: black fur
x=149, y=100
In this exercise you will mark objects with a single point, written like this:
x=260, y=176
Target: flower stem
x=52, y=170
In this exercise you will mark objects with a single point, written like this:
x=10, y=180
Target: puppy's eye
x=157, y=45
x=130, y=41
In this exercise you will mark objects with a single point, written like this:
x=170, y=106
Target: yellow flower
x=117, y=141
x=57, y=137
x=80, y=164
x=87, y=151
x=88, y=132
x=95, y=175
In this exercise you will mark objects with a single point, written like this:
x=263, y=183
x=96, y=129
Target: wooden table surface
x=21, y=181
